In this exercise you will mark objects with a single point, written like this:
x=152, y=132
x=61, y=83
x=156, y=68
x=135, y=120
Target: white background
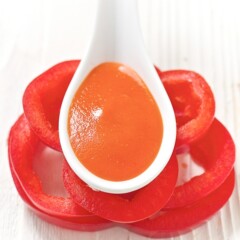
x=201, y=35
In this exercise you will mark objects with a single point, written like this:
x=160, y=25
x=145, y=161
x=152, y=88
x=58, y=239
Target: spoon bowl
x=117, y=38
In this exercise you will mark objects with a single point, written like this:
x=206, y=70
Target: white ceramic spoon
x=117, y=38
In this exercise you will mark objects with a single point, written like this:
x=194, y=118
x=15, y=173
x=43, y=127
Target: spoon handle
x=117, y=30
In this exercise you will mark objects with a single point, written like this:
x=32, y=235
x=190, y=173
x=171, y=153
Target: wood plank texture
x=201, y=35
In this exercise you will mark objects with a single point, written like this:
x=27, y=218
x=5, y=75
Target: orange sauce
x=114, y=124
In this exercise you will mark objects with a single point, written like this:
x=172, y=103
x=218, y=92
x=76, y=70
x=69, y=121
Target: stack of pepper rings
x=160, y=209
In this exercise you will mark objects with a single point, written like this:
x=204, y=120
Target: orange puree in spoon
x=114, y=124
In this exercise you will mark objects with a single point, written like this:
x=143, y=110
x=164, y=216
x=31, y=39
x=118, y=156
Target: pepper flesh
x=193, y=104
x=180, y=220
x=42, y=100
x=215, y=151
x=118, y=208
x=23, y=145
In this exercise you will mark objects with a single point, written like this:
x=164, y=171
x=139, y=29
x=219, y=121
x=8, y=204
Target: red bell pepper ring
x=215, y=151
x=180, y=220
x=193, y=104
x=23, y=144
x=73, y=224
x=43, y=98
x=121, y=208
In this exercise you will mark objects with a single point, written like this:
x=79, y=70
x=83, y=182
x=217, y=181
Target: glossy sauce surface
x=114, y=124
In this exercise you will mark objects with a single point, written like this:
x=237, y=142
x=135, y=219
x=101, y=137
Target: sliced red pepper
x=23, y=147
x=73, y=224
x=118, y=208
x=180, y=220
x=43, y=98
x=215, y=151
x=193, y=104
x=18, y=186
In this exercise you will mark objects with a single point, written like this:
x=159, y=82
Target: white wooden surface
x=201, y=35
